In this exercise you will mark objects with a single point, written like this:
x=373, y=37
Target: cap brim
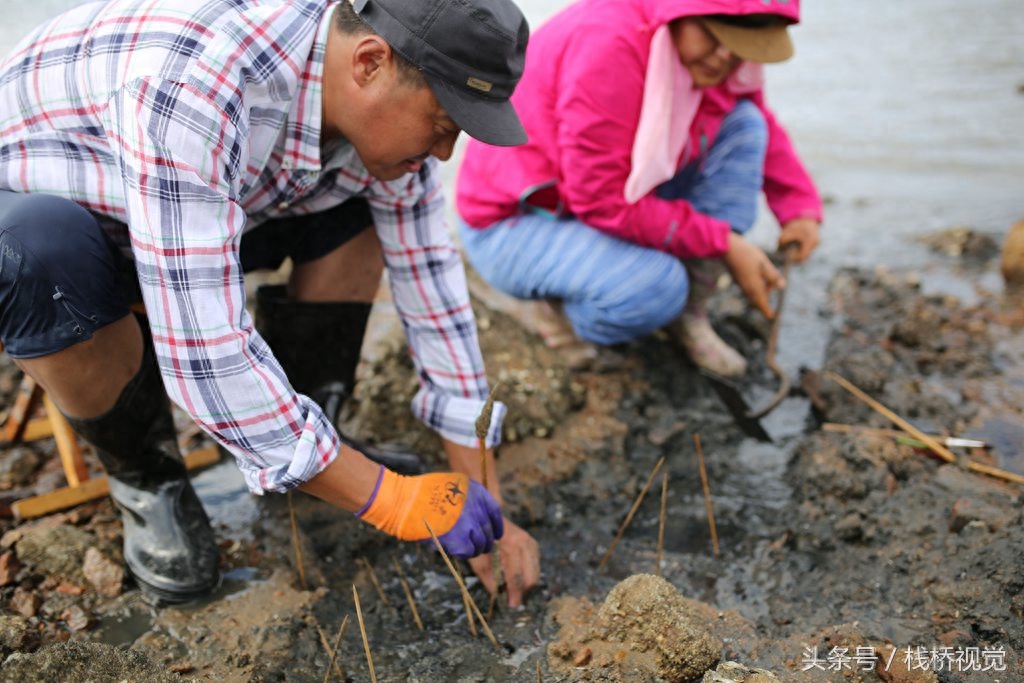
x=492, y=121
x=763, y=44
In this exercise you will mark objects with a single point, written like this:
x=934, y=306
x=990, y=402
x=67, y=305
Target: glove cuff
x=400, y=504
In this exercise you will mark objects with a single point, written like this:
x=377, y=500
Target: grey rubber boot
x=318, y=346
x=169, y=546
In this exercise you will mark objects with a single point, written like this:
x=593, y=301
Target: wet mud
x=842, y=555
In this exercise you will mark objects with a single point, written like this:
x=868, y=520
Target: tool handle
x=789, y=253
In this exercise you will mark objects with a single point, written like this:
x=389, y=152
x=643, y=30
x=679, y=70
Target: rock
x=83, y=661
x=962, y=241
x=648, y=613
x=1012, y=263
x=25, y=602
x=967, y=510
x=16, y=635
x=734, y=672
x=9, y=567
x=105, y=575
x=57, y=551
x=17, y=464
x=583, y=657
x=76, y=618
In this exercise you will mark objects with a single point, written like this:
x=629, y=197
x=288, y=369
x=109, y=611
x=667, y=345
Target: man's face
x=707, y=60
x=399, y=125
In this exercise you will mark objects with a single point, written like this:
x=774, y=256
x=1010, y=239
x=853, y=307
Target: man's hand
x=463, y=515
x=753, y=271
x=520, y=564
x=805, y=232
x=520, y=554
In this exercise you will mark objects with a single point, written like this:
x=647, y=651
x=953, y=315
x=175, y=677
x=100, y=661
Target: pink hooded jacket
x=580, y=100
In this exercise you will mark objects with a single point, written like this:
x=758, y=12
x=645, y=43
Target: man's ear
x=371, y=58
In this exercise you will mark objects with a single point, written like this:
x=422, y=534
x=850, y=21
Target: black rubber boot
x=318, y=346
x=169, y=546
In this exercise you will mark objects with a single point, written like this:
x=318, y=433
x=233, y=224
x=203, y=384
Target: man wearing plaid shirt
x=164, y=148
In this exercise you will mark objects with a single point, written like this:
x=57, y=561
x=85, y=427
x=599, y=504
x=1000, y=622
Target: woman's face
x=708, y=61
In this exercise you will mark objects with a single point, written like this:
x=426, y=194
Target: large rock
x=648, y=614
x=644, y=630
x=1012, y=263
x=83, y=661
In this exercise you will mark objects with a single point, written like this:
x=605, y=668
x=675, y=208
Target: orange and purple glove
x=463, y=515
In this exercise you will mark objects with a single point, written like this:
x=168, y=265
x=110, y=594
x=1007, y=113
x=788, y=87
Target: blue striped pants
x=613, y=291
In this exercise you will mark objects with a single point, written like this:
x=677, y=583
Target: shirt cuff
x=316, y=448
x=454, y=417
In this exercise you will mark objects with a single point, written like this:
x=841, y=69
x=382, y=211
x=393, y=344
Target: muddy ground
x=839, y=553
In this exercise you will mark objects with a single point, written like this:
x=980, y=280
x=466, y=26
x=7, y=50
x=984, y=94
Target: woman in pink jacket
x=650, y=143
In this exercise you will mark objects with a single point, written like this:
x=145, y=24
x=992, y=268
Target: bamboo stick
x=375, y=582
x=483, y=425
x=467, y=600
x=632, y=511
x=707, y=494
x=661, y=522
x=408, y=594
x=934, y=445
x=362, y=629
x=334, y=654
x=930, y=442
x=465, y=591
x=296, y=543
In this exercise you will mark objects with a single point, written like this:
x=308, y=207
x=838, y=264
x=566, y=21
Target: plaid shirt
x=192, y=121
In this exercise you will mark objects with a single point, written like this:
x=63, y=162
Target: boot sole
x=164, y=595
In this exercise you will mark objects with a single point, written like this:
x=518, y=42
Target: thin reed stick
x=707, y=494
x=362, y=629
x=297, y=544
x=483, y=425
x=408, y=594
x=934, y=445
x=334, y=653
x=929, y=441
x=466, y=601
x=632, y=511
x=465, y=591
x=374, y=581
x=661, y=522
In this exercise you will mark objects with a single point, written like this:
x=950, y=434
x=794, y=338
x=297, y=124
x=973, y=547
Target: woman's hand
x=754, y=272
x=805, y=232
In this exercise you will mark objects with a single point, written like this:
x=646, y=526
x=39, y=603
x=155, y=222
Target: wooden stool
x=22, y=426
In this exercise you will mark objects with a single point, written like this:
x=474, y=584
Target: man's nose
x=444, y=146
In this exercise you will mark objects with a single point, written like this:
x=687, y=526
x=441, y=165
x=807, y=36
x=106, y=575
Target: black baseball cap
x=472, y=53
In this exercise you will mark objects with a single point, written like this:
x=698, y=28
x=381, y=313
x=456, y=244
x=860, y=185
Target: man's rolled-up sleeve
x=428, y=285
x=181, y=157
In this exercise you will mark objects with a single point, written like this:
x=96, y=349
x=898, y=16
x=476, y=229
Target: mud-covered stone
x=83, y=661
x=105, y=575
x=1012, y=260
x=734, y=672
x=57, y=551
x=17, y=634
x=647, y=613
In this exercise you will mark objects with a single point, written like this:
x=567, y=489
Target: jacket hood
x=664, y=11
